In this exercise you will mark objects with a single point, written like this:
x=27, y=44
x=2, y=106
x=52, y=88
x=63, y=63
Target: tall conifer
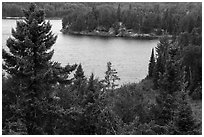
x=119, y=13
x=79, y=82
x=151, y=64
x=110, y=77
x=28, y=61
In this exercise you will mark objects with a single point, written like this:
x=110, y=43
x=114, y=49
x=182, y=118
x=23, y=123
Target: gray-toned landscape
x=98, y=68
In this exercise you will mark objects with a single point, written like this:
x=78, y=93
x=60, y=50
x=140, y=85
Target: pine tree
x=29, y=61
x=151, y=65
x=110, y=78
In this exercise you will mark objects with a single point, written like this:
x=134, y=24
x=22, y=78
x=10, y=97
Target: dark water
x=129, y=57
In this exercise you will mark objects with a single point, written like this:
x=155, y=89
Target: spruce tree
x=161, y=58
x=151, y=65
x=162, y=53
x=29, y=50
x=170, y=79
x=29, y=62
x=79, y=82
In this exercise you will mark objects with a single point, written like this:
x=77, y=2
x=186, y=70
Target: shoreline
x=100, y=33
x=50, y=18
x=106, y=34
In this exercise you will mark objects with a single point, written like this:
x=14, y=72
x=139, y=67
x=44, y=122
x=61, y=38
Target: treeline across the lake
x=52, y=9
x=138, y=17
x=155, y=18
x=40, y=96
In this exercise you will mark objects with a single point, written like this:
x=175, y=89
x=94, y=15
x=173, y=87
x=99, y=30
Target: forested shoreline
x=124, y=19
x=40, y=97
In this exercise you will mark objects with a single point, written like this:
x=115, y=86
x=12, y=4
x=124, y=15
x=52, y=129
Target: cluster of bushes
x=41, y=97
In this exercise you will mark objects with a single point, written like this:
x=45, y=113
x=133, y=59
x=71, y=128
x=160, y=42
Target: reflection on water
x=129, y=57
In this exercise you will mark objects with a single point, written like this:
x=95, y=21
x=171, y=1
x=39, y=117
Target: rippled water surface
x=129, y=57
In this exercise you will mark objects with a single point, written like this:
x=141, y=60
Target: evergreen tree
x=166, y=106
x=147, y=24
x=162, y=53
x=198, y=22
x=192, y=59
x=29, y=63
x=151, y=65
x=169, y=81
x=161, y=58
x=119, y=13
x=79, y=24
x=130, y=7
x=185, y=122
x=91, y=83
x=79, y=73
x=91, y=91
x=168, y=21
x=184, y=39
x=196, y=38
x=91, y=21
x=28, y=60
x=111, y=77
x=191, y=24
x=79, y=82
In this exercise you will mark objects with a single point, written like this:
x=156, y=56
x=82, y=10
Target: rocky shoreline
x=107, y=34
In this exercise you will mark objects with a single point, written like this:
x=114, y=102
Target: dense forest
x=39, y=96
x=138, y=17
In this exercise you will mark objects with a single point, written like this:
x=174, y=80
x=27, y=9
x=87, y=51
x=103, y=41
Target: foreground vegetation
x=41, y=97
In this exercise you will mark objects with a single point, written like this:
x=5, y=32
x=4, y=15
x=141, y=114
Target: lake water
x=128, y=56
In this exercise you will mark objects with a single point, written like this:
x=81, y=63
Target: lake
x=128, y=56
